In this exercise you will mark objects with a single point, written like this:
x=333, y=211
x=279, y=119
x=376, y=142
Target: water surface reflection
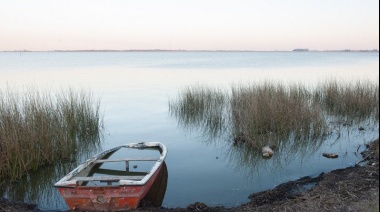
x=135, y=88
x=156, y=193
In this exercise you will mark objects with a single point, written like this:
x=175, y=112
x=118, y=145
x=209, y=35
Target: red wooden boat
x=109, y=181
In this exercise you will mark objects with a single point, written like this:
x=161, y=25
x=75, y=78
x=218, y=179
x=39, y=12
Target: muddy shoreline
x=354, y=188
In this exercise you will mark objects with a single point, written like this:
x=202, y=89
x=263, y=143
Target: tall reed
x=38, y=128
x=354, y=100
x=201, y=107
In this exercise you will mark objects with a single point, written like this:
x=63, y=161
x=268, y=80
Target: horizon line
x=200, y=50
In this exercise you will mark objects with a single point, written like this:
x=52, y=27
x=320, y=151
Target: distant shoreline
x=164, y=50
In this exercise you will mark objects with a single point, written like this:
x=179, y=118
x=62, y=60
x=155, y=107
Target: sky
x=255, y=25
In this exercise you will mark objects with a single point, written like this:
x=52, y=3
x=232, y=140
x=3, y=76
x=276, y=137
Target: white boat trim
x=71, y=179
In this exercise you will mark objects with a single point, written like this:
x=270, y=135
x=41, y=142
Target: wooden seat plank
x=126, y=159
x=107, y=178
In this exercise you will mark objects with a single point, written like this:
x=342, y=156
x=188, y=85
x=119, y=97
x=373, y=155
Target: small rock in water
x=330, y=155
x=266, y=151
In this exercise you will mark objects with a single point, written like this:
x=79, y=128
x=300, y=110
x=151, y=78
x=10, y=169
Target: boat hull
x=106, y=198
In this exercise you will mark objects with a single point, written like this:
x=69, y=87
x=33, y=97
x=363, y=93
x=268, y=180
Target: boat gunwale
x=67, y=182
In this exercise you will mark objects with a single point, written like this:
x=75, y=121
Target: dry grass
x=354, y=100
x=273, y=111
x=351, y=189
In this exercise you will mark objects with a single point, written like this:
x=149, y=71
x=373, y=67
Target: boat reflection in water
x=157, y=191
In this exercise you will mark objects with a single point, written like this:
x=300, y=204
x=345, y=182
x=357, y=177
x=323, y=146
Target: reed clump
x=354, y=100
x=38, y=128
x=263, y=113
x=268, y=112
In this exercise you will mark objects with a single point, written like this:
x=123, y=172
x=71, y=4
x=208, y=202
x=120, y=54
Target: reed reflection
x=201, y=108
x=37, y=187
x=253, y=164
x=156, y=193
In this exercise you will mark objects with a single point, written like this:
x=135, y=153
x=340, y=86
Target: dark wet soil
x=351, y=189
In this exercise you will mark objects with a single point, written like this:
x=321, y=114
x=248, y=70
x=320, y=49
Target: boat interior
x=111, y=168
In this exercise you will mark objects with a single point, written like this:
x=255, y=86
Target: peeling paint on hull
x=105, y=198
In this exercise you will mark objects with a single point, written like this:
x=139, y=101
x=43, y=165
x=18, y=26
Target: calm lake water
x=135, y=89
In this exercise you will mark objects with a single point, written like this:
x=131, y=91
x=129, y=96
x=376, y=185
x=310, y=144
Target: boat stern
x=101, y=198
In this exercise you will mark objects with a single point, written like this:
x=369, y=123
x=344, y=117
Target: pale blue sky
x=189, y=24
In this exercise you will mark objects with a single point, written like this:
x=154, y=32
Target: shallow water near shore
x=135, y=88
